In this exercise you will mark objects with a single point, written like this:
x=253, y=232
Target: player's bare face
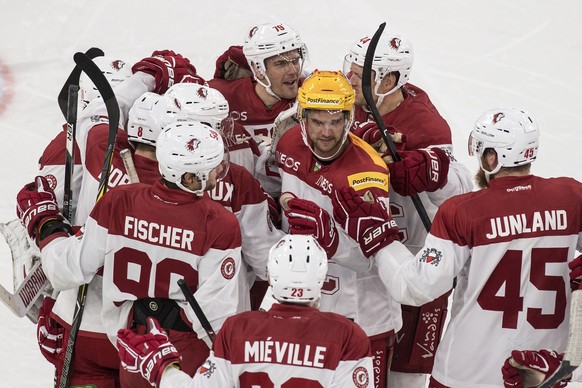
x=283, y=71
x=355, y=77
x=325, y=129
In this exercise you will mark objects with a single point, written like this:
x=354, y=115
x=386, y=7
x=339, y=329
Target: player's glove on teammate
x=529, y=368
x=419, y=171
x=49, y=333
x=370, y=133
x=148, y=354
x=369, y=223
x=36, y=207
x=168, y=68
x=306, y=217
x=232, y=65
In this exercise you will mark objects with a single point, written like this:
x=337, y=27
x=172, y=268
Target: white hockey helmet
x=149, y=115
x=297, y=267
x=267, y=40
x=201, y=103
x=511, y=132
x=190, y=147
x=393, y=53
x=115, y=70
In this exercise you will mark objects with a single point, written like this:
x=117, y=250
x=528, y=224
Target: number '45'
x=508, y=274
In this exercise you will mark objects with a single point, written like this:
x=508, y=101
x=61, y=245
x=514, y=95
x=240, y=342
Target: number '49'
x=506, y=278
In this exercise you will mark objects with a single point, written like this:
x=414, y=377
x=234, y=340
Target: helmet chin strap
x=383, y=95
x=488, y=173
x=199, y=192
x=267, y=86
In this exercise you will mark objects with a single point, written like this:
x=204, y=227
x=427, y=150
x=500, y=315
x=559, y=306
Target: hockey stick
x=129, y=166
x=70, y=147
x=197, y=309
x=573, y=356
x=92, y=70
x=367, y=92
x=73, y=79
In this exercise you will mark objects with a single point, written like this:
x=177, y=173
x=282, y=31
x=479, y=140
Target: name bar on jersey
x=516, y=224
x=158, y=233
x=284, y=353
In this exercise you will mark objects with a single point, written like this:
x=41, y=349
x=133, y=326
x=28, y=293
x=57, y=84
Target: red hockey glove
x=306, y=217
x=369, y=223
x=232, y=64
x=148, y=354
x=36, y=205
x=369, y=132
x=168, y=68
x=528, y=368
x=420, y=170
x=49, y=333
x=575, y=273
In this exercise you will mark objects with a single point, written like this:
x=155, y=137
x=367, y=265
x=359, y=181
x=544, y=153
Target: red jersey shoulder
x=56, y=151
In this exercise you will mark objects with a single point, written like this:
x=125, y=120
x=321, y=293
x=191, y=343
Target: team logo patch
x=192, y=144
x=52, y=180
x=228, y=268
x=431, y=256
x=395, y=43
x=202, y=93
x=207, y=369
x=497, y=117
x=117, y=64
x=360, y=377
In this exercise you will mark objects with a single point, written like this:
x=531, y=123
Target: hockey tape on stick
x=129, y=166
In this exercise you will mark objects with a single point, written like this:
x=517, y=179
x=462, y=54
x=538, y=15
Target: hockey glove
x=168, y=68
x=148, y=354
x=36, y=206
x=49, y=333
x=420, y=170
x=575, y=273
x=232, y=65
x=529, y=368
x=306, y=217
x=367, y=222
x=370, y=133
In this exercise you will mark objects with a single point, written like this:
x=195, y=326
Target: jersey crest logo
x=431, y=256
x=207, y=369
x=192, y=145
x=360, y=377
x=228, y=268
x=52, y=180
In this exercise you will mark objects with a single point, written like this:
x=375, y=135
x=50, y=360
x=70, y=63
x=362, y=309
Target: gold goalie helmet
x=330, y=91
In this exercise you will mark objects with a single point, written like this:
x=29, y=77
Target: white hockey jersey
x=509, y=246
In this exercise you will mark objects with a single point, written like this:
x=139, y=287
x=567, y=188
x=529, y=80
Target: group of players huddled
x=302, y=227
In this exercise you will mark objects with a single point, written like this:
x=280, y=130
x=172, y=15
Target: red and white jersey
x=423, y=127
x=145, y=238
x=288, y=346
x=242, y=148
x=51, y=165
x=356, y=293
x=92, y=133
x=509, y=246
x=247, y=108
x=242, y=194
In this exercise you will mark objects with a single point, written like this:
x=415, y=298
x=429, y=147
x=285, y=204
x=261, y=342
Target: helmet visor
x=474, y=146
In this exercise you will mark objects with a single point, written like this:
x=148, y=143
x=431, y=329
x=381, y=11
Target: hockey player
x=292, y=345
x=315, y=158
x=238, y=191
x=275, y=54
x=428, y=170
x=138, y=236
x=90, y=366
x=509, y=245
